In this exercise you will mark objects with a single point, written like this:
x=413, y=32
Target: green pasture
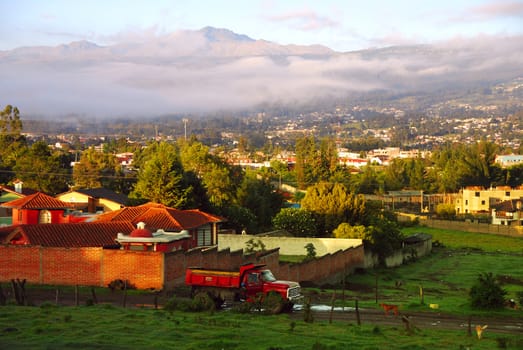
x=107, y=327
x=445, y=277
x=471, y=240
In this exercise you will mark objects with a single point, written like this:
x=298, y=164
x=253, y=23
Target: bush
x=203, y=302
x=311, y=252
x=446, y=211
x=253, y=246
x=487, y=292
x=345, y=230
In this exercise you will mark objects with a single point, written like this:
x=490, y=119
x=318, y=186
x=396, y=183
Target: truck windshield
x=267, y=276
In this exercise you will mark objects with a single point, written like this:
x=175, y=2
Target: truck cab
x=259, y=280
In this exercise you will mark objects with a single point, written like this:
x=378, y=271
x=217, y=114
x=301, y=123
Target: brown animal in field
x=480, y=329
x=389, y=307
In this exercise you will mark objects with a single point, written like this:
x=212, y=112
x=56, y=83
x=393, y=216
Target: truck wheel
x=288, y=307
x=202, y=301
x=273, y=303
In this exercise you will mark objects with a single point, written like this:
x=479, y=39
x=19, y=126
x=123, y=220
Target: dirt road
x=421, y=320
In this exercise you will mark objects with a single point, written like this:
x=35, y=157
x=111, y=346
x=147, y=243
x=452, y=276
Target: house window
x=44, y=217
x=482, y=202
x=476, y=194
x=466, y=202
x=507, y=193
x=204, y=236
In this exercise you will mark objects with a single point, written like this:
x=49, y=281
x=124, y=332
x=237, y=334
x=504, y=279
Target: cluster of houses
x=100, y=218
x=152, y=236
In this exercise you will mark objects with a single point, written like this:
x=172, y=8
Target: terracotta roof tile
x=71, y=235
x=158, y=216
x=38, y=200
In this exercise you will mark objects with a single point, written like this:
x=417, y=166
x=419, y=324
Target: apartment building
x=476, y=199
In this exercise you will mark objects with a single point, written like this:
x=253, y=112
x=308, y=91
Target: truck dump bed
x=214, y=278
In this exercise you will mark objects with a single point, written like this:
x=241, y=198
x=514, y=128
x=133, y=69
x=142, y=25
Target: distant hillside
x=216, y=69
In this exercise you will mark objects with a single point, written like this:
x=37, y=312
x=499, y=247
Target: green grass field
x=446, y=276
x=102, y=327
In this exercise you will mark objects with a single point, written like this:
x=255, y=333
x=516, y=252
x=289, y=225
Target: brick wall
x=20, y=262
x=98, y=267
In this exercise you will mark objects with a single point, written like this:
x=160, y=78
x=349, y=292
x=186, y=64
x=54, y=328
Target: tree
x=345, y=230
x=487, y=292
x=10, y=122
x=479, y=166
x=305, y=153
x=97, y=169
x=325, y=160
x=161, y=177
x=366, y=182
x=41, y=170
x=12, y=143
x=239, y=219
x=383, y=237
x=311, y=252
x=259, y=197
x=298, y=222
x=333, y=204
x=217, y=177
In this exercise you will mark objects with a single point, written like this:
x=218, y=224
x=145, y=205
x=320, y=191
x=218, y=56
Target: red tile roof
x=158, y=216
x=38, y=200
x=70, y=235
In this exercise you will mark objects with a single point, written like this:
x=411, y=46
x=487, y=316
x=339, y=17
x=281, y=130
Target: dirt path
x=420, y=320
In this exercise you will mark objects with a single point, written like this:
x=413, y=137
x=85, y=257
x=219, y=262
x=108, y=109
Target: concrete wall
x=289, y=245
x=400, y=256
x=503, y=230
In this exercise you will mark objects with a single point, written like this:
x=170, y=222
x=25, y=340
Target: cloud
x=497, y=9
x=306, y=20
x=491, y=11
x=157, y=77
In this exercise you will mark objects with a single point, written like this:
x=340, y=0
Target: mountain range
x=201, y=71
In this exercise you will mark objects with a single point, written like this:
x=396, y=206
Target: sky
x=141, y=66
x=342, y=25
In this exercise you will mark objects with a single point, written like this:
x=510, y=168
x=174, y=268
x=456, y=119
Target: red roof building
x=201, y=227
x=70, y=235
x=38, y=208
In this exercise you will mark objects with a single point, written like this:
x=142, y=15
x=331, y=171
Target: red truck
x=251, y=283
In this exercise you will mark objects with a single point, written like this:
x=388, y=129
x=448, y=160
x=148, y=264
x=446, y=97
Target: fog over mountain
x=216, y=69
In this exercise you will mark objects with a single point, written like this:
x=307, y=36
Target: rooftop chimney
x=18, y=186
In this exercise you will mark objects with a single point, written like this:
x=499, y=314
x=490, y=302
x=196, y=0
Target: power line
x=68, y=175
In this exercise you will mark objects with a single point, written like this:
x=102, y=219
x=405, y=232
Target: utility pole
x=185, y=120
